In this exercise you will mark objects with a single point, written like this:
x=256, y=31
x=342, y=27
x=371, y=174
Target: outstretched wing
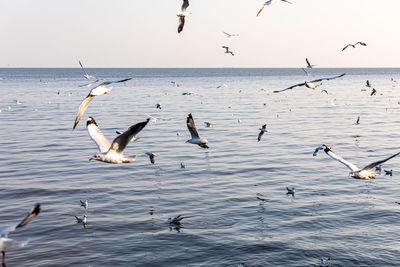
x=82, y=108
x=97, y=136
x=265, y=4
x=110, y=82
x=181, y=23
x=291, y=87
x=185, y=5
x=374, y=164
x=344, y=48
x=327, y=79
x=349, y=165
x=317, y=150
x=192, y=127
x=32, y=214
x=122, y=140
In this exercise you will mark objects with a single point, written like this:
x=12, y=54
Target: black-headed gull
x=100, y=89
x=309, y=66
x=325, y=263
x=290, y=191
x=263, y=129
x=354, y=45
x=367, y=84
x=364, y=173
x=87, y=76
x=268, y=3
x=112, y=153
x=6, y=242
x=311, y=84
x=182, y=14
x=202, y=142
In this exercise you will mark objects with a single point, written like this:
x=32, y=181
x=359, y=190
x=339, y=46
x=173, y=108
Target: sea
x=232, y=196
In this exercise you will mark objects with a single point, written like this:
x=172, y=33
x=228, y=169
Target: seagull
x=183, y=165
x=356, y=172
x=388, y=172
x=230, y=35
x=354, y=45
x=100, y=89
x=325, y=263
x=207, y=124
x=227, y=50
x=6, y=242
x=84, y=204
x=151, y=156
x=290, y=191
x=113, y=153
x=87, y=76
x=367, y=84
x=373, y=92
x=222, y=85
x=358, y=121
x=268, y=3
x=158, y=106
x=309, y=66
x=182, y=15
x=81, y=220
x=202, y=142
x=174, y=84
x=262, y=131
x=311, y=84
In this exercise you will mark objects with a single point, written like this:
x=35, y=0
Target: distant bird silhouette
x=87, y=76
x=388, y=172
x=325, y=263
x=84, y=204
x=227, y=51
x=358, y=120
x=182, y=15
x=354, y=45
x=290, y=191
x=263, y=129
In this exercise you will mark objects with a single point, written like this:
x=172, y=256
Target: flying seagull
x=367, y=84
x=182, y=15
x=309, y=66
x=6, y=242
x=230, y=35
x=84, y=204
x=290, y=191
x=268, y=3
x=151, y=157
x=100, y=89
x=113, y=153
x=311, y=84
x=176, y=220
x=87, y=76
x=227, y=51
x=88, y=84
x=263, y=129
x=356, y=172
x=358, y=121
x=202, y=142
x=373, y=92
x=354, y=45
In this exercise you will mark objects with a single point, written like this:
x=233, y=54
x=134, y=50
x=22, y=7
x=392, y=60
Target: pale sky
x=133, y=33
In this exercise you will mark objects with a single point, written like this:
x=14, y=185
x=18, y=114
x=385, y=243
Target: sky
x=143, y=34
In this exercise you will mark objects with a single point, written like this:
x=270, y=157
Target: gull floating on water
x=311, y=84
x=354, y=45
x=158, y=106
x=367, y=84
x=182, y=14
x=6, y=242
x=202, y=142
x=84, y=204
x=100, y=89
x=175, y=220
x=227, y=51
x=378, y=168
x=263, y=129
x=113, y=153
x=358, y=121
x=268, y=3
x=325, y=263
x=151, y=157
x=230, y=35
x=356, y=172
x=183, y=165
x=87, y=76
x=82, y=220
x=207, y=124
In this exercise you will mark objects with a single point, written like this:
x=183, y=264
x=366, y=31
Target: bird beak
x=135, y=139
x=372, y=177
x=91, y=159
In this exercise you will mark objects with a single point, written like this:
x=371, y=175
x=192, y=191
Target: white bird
x=6, y=242
x=317, y=150
x=290, y=191
x=311, y=84
x=325, y=263
x=227, y=51
x=84, y=204
x=100, y=89
x=202, y=142
x=182, y=14
x=309, y=66
x=175, y=220
x=230, y=35
x=268, y=3
x=87, y=76
x=354, y=45
x=367, y=84
x=356, y=172
x=113, y=153
x=263, y=129
x=82, y=220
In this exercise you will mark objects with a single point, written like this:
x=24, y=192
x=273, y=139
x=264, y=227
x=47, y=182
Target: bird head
x=96, y=157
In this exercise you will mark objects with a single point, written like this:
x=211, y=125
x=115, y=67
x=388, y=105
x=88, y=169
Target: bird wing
x=86, y=75
x=361, y=43
x=265, y=4
x=32, y=214
x=344, y=48
x=181, y=23
x=88, y=84
x=327, y=79
x=260, y=135
x=192, y=127
x=376, y=163
x=97, y=136
x=227, y=33
x=286, y=1
x=82, y=108
x=308, y=63
x=103, y=84
x=349, y=165
x=291, y=87
x=317, y=150
x=185, y=5
x=122, y=140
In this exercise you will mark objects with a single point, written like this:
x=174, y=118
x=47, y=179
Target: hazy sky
x=133, y=33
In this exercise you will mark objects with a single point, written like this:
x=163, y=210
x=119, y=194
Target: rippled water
x=354, y=222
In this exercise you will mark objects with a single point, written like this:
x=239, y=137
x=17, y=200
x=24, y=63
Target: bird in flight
x=311, y=84
x=182, y=14
x=112, y=153
x=354, y=45
x=230, y=35
x=309, y=66
x=227, y=51
x=202, y=142
x=100, y=89
x=263, y=129
x=87, y=76
x=364, y=173
x=268, y=3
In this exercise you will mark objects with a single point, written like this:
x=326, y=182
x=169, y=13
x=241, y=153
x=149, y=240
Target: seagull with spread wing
x=311, y=84
x=268, y=3
x=364, y=173
x=309, y=66
x=230, y=34
x=202, y=142
x=6, y=242
x=227, y=51
x=354, y=45
x=87, y=76
x=112, y=153
x=182, y=14
x=100, y=89
x=263, y=130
